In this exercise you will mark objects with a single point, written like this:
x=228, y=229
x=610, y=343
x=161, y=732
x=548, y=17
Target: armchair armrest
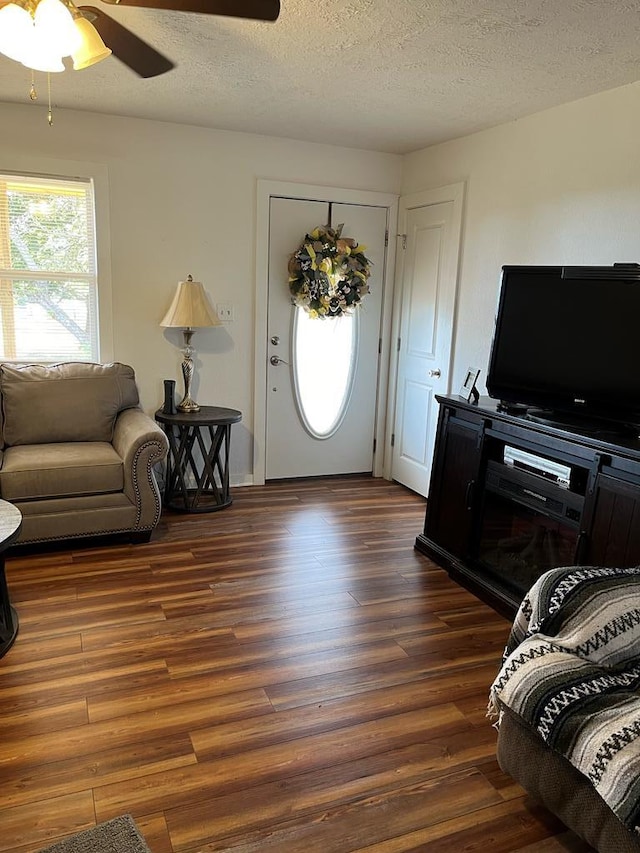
x=140, y=443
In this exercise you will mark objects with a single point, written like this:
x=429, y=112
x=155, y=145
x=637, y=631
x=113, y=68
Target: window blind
x=48, y=277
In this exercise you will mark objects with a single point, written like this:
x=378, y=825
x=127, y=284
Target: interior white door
x=428, y=286
x=296, y=446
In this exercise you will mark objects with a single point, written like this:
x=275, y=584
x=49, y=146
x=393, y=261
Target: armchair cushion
x=64, y=469
x=43, y=404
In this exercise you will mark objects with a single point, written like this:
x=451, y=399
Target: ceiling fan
x=145, y=60
x=92, y=24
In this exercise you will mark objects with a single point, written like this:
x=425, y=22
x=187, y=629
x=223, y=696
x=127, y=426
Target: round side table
x=198, y=462
x=10, y=524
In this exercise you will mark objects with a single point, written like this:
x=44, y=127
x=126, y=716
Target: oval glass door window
x=324, y=360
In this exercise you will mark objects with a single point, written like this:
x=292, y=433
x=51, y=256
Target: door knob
x=276, y=360
x=435, y=373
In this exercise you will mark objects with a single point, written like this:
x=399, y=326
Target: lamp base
x=188, y=405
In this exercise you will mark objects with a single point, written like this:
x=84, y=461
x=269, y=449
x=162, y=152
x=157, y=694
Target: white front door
x=428, y=269
x=314, y=366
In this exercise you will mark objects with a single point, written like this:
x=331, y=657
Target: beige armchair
x=77, y=452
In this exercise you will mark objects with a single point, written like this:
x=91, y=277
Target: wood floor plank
x=40, y=720
x=364, y=822
x=41, y=823
x=246, y=613
x=332, y=619
x=28, y=652
x=289, y=674
x=565, y=842
x=304, y=582
x=153, y=829
x=332, y=650
x=305, y=691
x=103, y=766
x=507, y=787
x=243, y=770
x=290, y=667
x=82, y=683
x=487, y=639
x=263, y=806
x=499, y=827
x=78, y=664
x=199, y=691
x=159, y=637
x=66, y=619
x=130, y=729
x=210, y=742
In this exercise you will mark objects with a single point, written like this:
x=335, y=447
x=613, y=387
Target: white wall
x=183, y=200
x=559, y=187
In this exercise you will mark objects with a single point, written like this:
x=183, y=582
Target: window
x=48, y=283
x=324, y=360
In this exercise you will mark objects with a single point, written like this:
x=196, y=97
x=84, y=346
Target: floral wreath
x=328, y=273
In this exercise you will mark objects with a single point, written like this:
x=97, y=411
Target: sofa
x=567, y=701
x=77, y=453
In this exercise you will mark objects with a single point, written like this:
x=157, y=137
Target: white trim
x=266, y=189
x=241, y=480
x=451, y=192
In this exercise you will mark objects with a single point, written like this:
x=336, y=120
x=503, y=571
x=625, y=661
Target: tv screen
x=566, y=339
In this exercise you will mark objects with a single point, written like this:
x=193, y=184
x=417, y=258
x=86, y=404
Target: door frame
x=266, y=189
x=451, y=192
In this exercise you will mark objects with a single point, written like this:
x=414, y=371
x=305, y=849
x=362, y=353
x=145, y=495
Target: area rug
x=119, y=835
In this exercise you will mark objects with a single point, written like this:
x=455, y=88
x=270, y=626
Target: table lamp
x=189, y=310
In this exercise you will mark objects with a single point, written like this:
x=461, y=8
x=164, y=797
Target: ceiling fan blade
x=131, y=50
x=260, y=10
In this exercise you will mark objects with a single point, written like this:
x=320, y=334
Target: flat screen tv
x=567, y=341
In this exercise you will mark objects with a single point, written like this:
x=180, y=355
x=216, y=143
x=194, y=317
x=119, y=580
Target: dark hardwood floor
x=285, y=675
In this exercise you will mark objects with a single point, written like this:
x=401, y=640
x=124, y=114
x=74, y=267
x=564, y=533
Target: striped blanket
x=571, y=670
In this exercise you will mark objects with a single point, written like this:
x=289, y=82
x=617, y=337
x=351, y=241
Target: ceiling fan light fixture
x=38, y=60
x=55, y=29
x=16, y=29
x=40, y=33
x=92, y=49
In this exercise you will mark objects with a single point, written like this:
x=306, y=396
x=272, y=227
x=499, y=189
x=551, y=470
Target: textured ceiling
x=387, y=75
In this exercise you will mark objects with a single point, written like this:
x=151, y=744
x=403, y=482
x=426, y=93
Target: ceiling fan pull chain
x=33, y=95
x=49, y=114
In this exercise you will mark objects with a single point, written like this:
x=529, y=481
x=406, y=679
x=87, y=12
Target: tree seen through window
x=47, y=270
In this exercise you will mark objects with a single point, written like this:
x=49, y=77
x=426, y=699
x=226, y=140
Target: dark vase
x=169, y=407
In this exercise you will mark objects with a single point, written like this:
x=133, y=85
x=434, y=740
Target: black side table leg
x=8, y=614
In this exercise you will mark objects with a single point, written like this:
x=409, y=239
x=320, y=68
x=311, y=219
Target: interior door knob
x=276, y=360
x=435, y=373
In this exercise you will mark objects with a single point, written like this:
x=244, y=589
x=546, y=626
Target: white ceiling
x=387, y=75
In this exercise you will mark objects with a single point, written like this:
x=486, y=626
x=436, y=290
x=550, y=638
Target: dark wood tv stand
x=497, y=525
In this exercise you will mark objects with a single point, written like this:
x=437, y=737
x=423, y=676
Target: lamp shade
x=190, y=308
